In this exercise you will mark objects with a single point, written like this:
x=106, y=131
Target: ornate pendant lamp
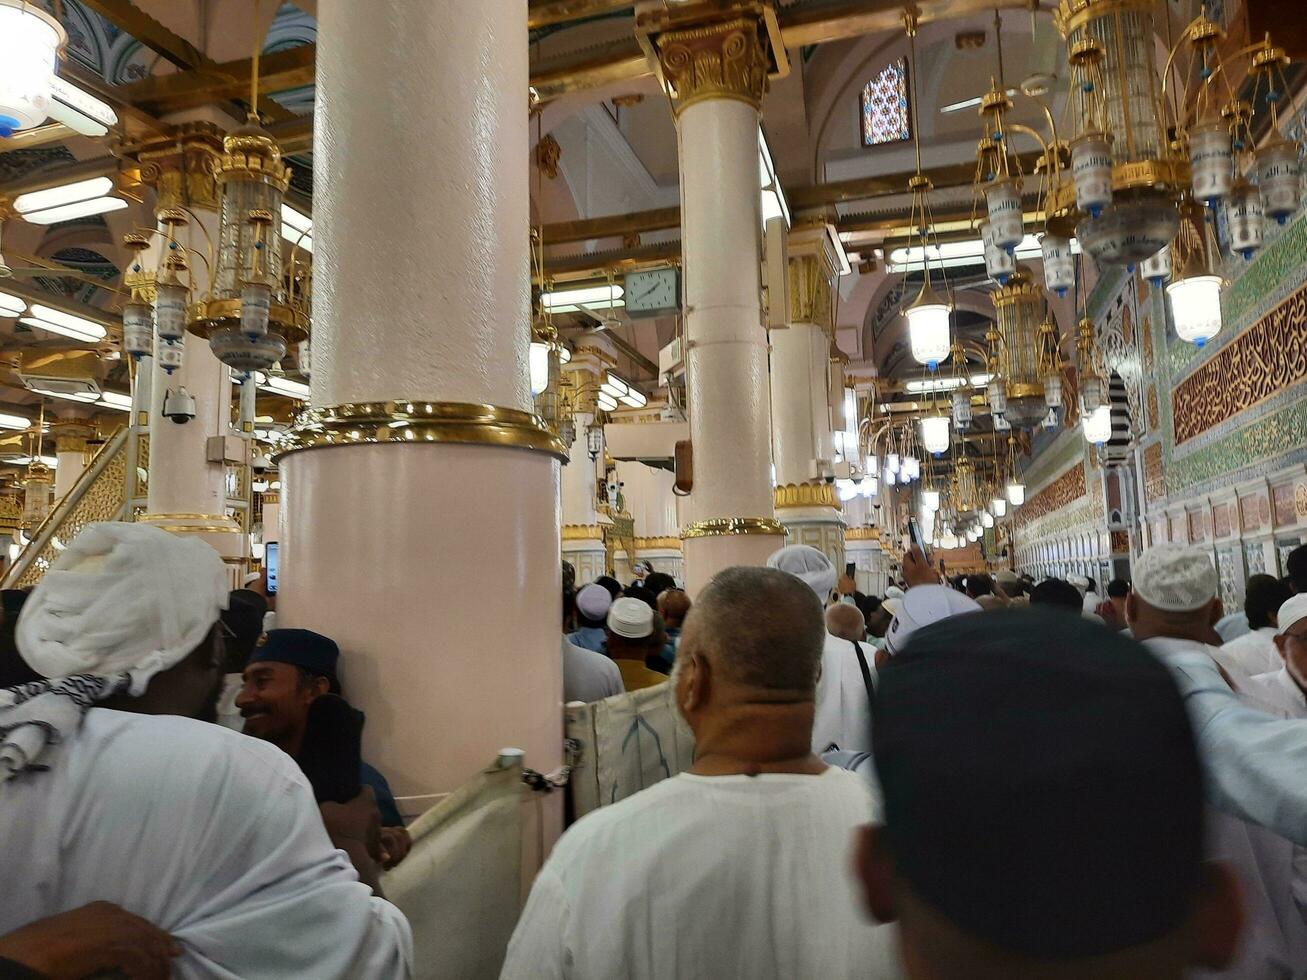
x=30, y=40
x=1019, y=314
x=1195, y=293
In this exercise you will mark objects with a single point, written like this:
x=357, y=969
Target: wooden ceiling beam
x=278, y=72
x=546, y=13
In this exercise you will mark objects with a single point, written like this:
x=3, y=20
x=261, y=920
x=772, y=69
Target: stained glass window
x=885, y=106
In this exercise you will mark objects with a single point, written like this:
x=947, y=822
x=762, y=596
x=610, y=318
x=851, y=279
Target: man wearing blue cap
x=286, y=673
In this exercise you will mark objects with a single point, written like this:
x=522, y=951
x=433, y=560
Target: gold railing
x=100, y=494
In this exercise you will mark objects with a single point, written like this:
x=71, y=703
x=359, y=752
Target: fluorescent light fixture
x=279, y=385
x=53, y=197
x=635, y=399
x=297, y=228
x=950, y=255
x=8, y=421
x=80, y=111
x=11, y=305
x=613, y=386
x=571, y=300
x=65, y=324
x=606, y=403
x=934, y=384
x=82, y=397
x=774, y=204
x=969, y=103
x=82, y=209
x=115, y=400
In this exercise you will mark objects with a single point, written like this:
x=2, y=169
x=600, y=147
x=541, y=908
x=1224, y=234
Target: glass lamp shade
x=1000, y=264
x=243, y=353
x=998, y=506
x=891, y=463
x=890, y=477
x=539, y=367
x=29, y=41
x=594, y=441
x=170, y=311
x=1278, y=180
x=1001, y=424
x=1050, y=420
x=1196, y=308
x=948, y=542
x=1091, y=169
x=138, y=330
x=1059, y=263
x=928, y=331
x=1244, y=216
x=1053, y=391
x=961, y=409
x=1091, y=393
x=847, y=489
x=1016, y=494
x=930, y=498
x=871, y=464
x=986, y=519
x=935, y=433
x=870, y=486
x=169, y=357
x=1157, y=267
x=256, y=305
x=1128, y=231
x=1098, y=425
x=1211, y=161
x=1003, y=199
x=997, y=393
x=912, y=467
x=38, y=485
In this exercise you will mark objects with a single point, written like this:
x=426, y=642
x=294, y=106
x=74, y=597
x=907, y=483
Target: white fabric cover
x=212, y=836
x=809, y=564
x=122, y=598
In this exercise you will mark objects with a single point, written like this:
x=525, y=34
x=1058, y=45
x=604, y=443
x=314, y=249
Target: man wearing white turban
x=848, y=673
x=106, y=795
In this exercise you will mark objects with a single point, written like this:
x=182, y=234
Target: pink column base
x=705, y=557
x=436, y=569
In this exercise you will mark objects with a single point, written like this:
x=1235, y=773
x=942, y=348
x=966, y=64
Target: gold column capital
x=182, y=167
x=71, y=435
x=810, y=290
x=718, y=59
x=806, y=495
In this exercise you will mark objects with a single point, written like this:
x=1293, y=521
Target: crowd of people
x=980, y=777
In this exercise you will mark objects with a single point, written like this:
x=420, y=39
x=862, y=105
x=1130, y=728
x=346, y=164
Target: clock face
x=653, y=292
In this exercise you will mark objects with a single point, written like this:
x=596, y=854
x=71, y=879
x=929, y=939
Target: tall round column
x=188, y=490
x=70, y=436
x=718, y=73
x=806, y=503
x=420, y=507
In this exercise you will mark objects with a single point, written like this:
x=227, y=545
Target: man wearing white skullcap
x=848, y=672
x=634, y=634
x=921, y=606
x=1254, y=761
x=1286, y=688
x=592, y=604
x=107, y=795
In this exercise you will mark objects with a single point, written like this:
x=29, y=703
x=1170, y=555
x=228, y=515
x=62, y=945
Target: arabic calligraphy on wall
x=1064, y=490
x=1263, y=361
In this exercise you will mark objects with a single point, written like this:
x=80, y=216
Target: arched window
x=885, y=117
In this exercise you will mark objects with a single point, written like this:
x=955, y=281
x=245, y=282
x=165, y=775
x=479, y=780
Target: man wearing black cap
x=1043, y=812
x=286, y=673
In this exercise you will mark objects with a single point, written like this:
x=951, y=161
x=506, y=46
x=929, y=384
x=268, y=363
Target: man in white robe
x=209, y=835
x=741, y=866
x=1254, y=652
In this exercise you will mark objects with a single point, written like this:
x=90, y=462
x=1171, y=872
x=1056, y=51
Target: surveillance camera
x=828, y=476
x=179, y=406
x=261, y=463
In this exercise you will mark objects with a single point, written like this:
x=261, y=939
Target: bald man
x=846, y=622
x=741, y=866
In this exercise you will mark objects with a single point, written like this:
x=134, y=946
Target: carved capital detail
x=548, y=153
x=809, y=291
x=806, y=495
x=183, y=168
x=727, y=60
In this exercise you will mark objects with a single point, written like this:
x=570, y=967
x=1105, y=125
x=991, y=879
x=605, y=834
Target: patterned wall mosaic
x=1067, y=488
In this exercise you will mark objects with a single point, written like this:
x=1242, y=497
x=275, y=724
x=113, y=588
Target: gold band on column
x=726, y=526
x=726, y=60
x=807, y=495
x=414, y=422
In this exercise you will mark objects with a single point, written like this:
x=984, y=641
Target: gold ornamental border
x=405, y=422
x=657, y=544
x=806, y=495
x=1143, y=175
x=207, y=317
x=726, y=526
x=582, y=532
x=862, y=534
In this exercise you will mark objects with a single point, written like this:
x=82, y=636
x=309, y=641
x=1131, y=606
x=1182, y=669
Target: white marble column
x=718, y=75
x=188, y=492
x=420, y=518
x=806, y=504
x=70, y=435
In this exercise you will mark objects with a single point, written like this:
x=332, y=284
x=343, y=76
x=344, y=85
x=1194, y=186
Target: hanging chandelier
x=928, y=315
x=1023, y=352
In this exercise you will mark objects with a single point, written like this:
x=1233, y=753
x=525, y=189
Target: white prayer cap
x=809, y=564
x=593, y=601
x=122, y=598
x=1080, y=582
x=1175, y=578
x=1293, y=610
x=631, y=618
x=922, y=605
x=893, y=592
